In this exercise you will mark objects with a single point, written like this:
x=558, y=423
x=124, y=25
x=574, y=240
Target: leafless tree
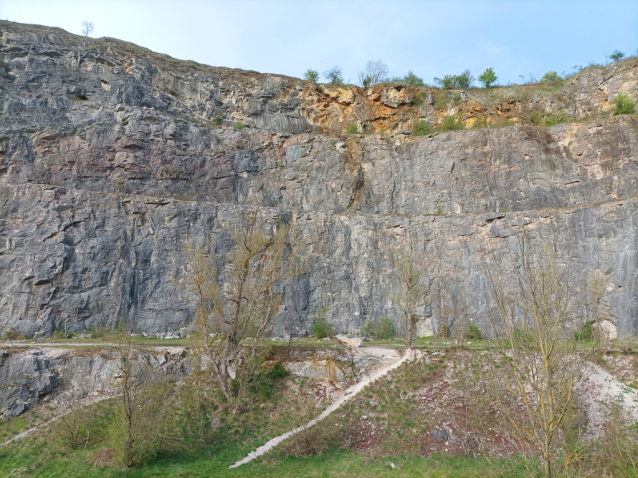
x=534, y=323
x=141, y=422
x=414, y=286
x=242, y=308
x=374, y=72
x=334, y=74
x=87, y=28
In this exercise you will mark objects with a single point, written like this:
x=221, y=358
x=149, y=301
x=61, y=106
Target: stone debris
x=348, y=340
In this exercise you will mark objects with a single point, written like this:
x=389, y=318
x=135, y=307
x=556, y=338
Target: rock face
x=112, y=156
x=26, y=378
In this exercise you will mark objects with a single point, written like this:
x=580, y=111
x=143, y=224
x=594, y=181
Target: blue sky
x=431, y=38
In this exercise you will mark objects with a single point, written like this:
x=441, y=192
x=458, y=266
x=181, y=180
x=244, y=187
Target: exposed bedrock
x=112, y=156
x=67, y=375
x=100, y=258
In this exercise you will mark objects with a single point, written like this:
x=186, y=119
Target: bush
x=479, y=122
x=312, y=75
x=586, y=331
x=413, y=80
x=217, y=121
x=550, y=77
x=623, y=105
x=421, y=128
x=451, y=124
x=238, y=125
x=11, y=334
x=553, y=119
x=352, y=129
x=464, y=80
x=321, y=328
x=472, y=332
x=379, y=329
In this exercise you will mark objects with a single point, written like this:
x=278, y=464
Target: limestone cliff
x=111, y=156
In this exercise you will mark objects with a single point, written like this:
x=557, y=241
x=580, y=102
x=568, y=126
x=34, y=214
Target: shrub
x=623, y=105
x=217, y=121
x=413, y=80
x=488, y=77
x=421, y=128
x=452, y=124
x=321, y=328
x=352, y=129
x=479, y=122
x=312, y=75
x=472, y=332
x=379, y=329
x=586, y=331
x=553, y=119
x=238, y=125
x=550, y=77
x=11, y=334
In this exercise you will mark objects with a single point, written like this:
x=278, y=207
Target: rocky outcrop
x=67, y=375
x=112, y=156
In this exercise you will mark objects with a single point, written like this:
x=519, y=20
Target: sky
x=430, y=38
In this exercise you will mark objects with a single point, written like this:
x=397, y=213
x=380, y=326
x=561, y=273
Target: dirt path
x=347, y=395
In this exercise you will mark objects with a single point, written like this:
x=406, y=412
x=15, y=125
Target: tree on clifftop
x=488, y=77
x=87, y=28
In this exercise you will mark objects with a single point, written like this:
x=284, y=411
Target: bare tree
x=374, y=72
x=414, y=287
x=241, y=306
x=74, y=428
x=140, y=426
x=335, y=75
x=87, y=28
x=534, y=321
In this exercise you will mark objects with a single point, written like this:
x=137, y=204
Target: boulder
x=354, y=342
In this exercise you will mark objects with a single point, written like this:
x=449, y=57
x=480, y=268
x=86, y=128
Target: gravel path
x=347, y=395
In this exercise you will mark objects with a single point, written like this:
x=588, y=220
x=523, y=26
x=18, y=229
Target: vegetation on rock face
x=623, y=105
x=352, y=129
x=451, y=123
x=421, y=128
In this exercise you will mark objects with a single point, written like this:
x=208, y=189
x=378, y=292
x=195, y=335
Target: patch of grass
x=441, y=101
x=238, y=125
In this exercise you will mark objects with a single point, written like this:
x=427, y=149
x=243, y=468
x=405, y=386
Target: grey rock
x=440, y=435
x=108, y=164
x=26, y=379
